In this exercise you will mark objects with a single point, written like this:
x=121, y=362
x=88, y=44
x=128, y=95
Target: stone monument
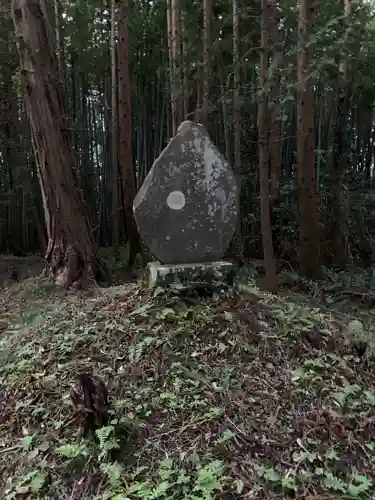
x=186, y=211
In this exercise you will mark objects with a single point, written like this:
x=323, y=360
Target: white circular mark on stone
x=176, y=200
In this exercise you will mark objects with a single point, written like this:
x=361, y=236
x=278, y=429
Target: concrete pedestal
x=208, y=274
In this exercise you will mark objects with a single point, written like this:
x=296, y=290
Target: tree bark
x=268, y=253
x=59, y=40
x=339, y=161
x=126, y=166
x=114, y=131
x=207, y=15
x=171, y=66
x=185, y=64
x=236, y=93
x=72, y=255
x=174, y=48
x=306, y=178
x=237, y=240
x=275, y=122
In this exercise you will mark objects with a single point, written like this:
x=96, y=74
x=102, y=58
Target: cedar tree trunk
x=72, y=256
x=265, y=216
x=125, y=163
x=306, y=177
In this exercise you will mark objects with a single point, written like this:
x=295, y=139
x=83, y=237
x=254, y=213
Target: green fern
x=113, y=471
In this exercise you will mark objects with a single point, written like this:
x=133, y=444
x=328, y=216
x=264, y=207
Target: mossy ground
x=247, y=396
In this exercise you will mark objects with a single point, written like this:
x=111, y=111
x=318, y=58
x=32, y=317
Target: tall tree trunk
x=306, y=178
x=236, y=92
x=176, y=49
x=275, y=122
x=339, y=161
x=126, y=166
x=207, y=17
x=237, y=242
x=174, y=44
x=171, y=66
x=185, y=65
x=59, y=42
x=71, y=254
x=268, y=253
x=224, y=117
x=114, y=131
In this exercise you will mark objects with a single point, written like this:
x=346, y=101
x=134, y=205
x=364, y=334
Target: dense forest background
x=286, y=92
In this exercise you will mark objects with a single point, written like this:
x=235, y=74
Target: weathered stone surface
x=211, y=274
x=186, y=209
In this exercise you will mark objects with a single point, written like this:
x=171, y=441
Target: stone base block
x=208, y=274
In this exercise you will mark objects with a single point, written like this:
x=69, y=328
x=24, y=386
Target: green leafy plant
x=107, y=440
x=73, y=450
x=29, y=483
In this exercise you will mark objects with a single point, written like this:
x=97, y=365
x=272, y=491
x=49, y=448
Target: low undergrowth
x=251, y=396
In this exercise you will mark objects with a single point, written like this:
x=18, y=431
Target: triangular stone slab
x=186, y=209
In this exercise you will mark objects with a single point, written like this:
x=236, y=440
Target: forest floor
x=247, y=396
